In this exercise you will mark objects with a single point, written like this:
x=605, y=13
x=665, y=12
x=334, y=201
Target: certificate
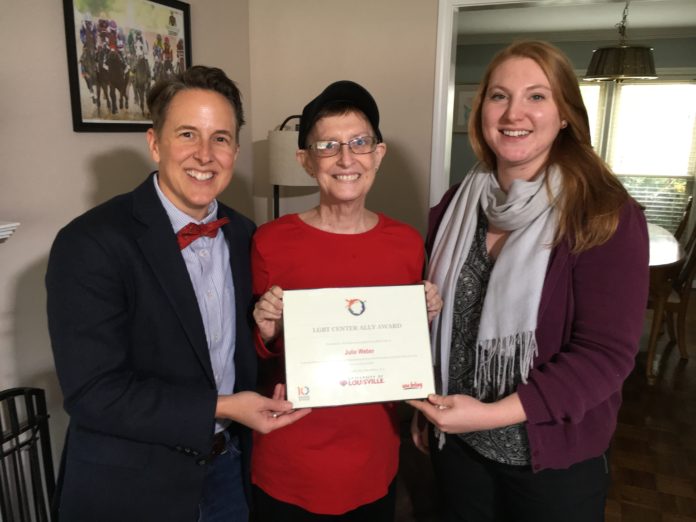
x=356, y=345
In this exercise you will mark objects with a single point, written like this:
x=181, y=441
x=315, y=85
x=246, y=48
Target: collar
x=178, y=218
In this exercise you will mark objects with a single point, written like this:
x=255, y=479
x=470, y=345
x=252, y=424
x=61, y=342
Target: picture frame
x=464, y=94
x=116, y=50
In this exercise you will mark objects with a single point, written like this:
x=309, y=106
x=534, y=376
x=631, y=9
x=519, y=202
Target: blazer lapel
x=160, y=249
x=239, y=259
x=238, y=240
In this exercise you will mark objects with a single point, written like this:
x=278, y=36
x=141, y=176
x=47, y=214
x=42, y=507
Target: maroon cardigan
x=589, y=324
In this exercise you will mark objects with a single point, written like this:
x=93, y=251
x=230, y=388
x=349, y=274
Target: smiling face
x=519, y=117
x=346, y=177
x=195, y=150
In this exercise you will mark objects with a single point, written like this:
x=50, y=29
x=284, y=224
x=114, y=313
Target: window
x=590, y=95
x=653, y=129
x=647, y=135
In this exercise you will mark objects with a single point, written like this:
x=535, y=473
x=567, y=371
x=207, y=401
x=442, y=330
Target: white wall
x=50, y=174
x=283, y=52
x=298, y=47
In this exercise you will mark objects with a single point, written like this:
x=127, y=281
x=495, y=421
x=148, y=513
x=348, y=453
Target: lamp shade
x=7, y=228
x=622, y=62
x=283, y=168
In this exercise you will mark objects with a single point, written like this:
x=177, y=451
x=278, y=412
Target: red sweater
x=335, y=459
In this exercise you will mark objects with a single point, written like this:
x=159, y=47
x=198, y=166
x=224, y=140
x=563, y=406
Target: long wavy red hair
x=592, y=196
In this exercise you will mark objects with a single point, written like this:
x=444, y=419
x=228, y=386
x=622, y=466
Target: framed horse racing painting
x=118, y=49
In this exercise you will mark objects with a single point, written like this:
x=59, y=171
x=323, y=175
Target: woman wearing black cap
x=336, y=461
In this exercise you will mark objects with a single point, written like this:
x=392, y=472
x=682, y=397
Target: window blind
x=648, y=138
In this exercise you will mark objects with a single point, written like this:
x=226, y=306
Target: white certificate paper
x=356, y=345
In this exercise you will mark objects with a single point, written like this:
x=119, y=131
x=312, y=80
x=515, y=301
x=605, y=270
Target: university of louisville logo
x=362, y=380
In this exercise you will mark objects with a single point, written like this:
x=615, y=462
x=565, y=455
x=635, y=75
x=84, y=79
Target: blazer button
x=200, y=462
x=195, y=453
x=179, y=448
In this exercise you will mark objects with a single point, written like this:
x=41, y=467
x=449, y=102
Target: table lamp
x=283, y=168
x=7, y=228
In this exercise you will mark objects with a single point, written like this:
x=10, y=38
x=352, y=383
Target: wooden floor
x=653, y=453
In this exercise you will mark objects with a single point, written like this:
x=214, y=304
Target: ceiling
x=558, y=21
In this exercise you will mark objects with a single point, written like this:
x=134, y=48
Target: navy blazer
x=132, y=360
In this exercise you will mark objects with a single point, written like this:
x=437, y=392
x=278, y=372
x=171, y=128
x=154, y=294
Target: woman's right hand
x=268, y=313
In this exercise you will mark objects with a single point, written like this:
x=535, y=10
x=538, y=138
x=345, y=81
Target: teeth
x=346, y=177
x=515, y=133
x=200, y=176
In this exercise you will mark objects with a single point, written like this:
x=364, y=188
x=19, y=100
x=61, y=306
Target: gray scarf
x=509, y=315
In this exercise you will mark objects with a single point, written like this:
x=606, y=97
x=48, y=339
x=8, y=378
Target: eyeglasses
x=359, y=145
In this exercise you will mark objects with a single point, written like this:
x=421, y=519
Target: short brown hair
x=592, y=196
x=196, y=77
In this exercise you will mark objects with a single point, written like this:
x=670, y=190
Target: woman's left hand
x=433, y=300
x=268, y=313
x=464, y=414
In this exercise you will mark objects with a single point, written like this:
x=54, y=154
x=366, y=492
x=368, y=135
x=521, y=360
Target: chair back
x=27, y=482
x=681, y=228
x=691, y=241
x=684, y=280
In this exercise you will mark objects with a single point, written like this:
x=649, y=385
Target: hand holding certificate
x=356, y=345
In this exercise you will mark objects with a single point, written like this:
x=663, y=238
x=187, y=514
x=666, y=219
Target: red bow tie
x=192, y=231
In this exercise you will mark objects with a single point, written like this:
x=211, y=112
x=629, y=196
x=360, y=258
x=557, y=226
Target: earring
x=564, y=124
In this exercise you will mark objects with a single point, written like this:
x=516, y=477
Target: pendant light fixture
x=622, y=61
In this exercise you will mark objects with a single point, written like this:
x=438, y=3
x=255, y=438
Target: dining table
x=666, y=259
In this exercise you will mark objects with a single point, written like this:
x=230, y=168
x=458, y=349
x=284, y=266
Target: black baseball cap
x=343, y=91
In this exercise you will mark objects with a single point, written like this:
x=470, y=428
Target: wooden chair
x=683, y=223
x=691, y=241
x=678, y=301
x=27, y=483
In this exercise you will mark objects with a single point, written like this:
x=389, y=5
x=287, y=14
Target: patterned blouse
x=508, y=445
